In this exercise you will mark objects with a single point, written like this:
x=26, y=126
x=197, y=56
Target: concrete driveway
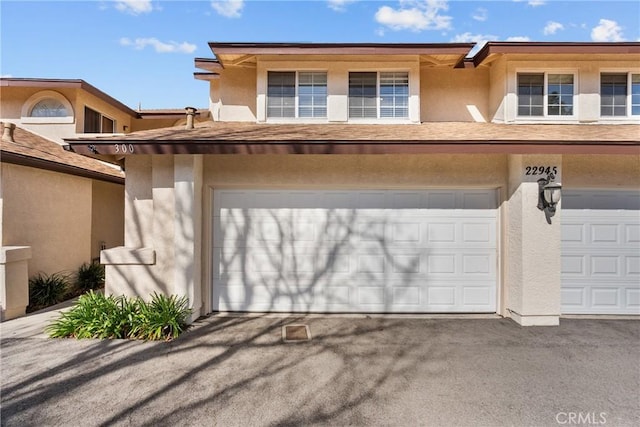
x=355, y=371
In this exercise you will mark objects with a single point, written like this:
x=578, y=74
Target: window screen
x=92, y=121
x=530, y=94
x=312, y=94
x=613, y=94
x=362, y=95
x=560, y=94
x=281, y=94
x=394, y=95
x=635, y=94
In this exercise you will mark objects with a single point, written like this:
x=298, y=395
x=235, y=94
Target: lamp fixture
x=549, y=194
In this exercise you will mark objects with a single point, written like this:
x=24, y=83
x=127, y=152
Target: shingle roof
x=437, y=131
x=30, y=149
x=251, y=138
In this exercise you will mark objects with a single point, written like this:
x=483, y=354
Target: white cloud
x=607, y=31
x=134, y=7
x=5, y=76
x=481, y=14
x=339, y=5
x=536, y=3
x=518, y=39
x=228, y=8
x=552, y=27
x=415, y=15
x=477, y=38
x=158, y=46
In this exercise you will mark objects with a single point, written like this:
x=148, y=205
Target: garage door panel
x=600, y=252
x=385, y=252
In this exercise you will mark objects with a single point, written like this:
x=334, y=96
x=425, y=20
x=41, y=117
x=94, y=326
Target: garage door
x=600, y=252
x=355, y=251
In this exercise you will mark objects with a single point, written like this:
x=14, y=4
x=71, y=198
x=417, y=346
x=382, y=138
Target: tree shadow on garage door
x=314, y=260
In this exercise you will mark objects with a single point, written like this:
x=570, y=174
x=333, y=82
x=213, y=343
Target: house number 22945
x=541, y=170
x=123, y=148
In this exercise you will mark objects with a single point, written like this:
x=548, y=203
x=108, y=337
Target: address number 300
x=123, y=148
x=541, y=170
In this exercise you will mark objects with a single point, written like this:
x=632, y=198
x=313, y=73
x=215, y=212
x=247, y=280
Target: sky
x=141, y=51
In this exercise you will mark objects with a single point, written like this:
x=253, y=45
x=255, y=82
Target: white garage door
x=355, y=251
x=600, y=252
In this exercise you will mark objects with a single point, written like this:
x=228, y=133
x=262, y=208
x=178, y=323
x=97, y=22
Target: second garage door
x=600, y=252
x=355, y=251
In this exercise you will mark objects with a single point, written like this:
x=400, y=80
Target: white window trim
x=39, y=96
x=629, y=116
x=378, y=119
x=546, y=118
x=297, y=117
x=115, y=123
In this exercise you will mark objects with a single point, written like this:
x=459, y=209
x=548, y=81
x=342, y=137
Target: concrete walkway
x=33, y=324
x=236, y=371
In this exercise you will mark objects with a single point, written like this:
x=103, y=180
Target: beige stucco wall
x=586, y=86
x=532, y=246
x=364, y=171
x=497, y=90
x=13, y=102
x=14, y=99
x=86, y=99
x=51, y=213
x=454, y=95
x=107, y=216
x=163, y=211
x=233, y=96
x=601, y=171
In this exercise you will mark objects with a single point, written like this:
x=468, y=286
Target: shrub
x=164, y=317
x=46, y=290
x=90, y=276
x=99, y=316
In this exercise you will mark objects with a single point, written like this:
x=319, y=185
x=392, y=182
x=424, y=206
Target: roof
x=170, y=113
x=66, y=83
x=33, y=150
x=437, y=54
x=235, y=53
x=554, y=48
x=440, y=137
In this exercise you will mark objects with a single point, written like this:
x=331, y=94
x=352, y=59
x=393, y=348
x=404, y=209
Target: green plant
x=98, y=316
x=90, y=276
x=165, y=317
x=46, y=290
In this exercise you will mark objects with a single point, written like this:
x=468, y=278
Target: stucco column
x=187, y=229
x=533, y=250
x=14, y=281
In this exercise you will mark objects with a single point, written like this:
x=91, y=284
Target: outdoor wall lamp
x=549, y=194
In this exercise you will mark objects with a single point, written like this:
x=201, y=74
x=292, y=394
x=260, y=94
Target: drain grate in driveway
x=296, y=333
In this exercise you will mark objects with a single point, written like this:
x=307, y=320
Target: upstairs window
x=48, y=107
x=292, y=94
x=95, y=122
x=541, y=94
x=378, y=95
x=615, y=94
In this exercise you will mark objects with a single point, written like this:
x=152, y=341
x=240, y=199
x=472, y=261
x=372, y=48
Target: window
x=614, y=94
x=296, y=94
x=560, y=94
x=635, y=94
x=378, y=95
x=48, y=107
x=95, y=122
x=535, y=101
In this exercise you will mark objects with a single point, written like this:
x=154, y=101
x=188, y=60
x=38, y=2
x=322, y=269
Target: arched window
x=49, y=107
